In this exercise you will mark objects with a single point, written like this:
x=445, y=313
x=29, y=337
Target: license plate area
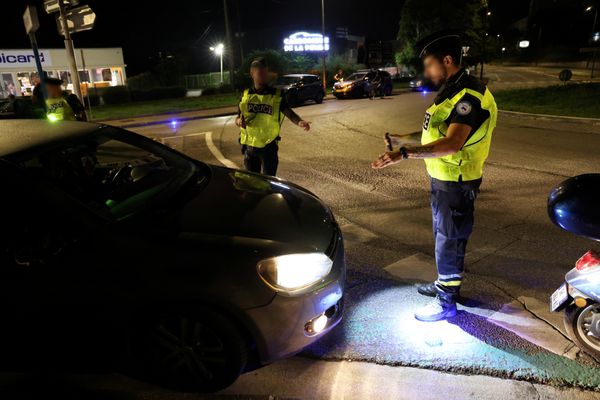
x=559, y=297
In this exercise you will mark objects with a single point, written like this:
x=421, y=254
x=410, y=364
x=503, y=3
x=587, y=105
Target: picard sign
x=22, y=58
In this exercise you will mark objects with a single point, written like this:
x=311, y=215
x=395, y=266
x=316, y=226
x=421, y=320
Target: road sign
x=78, y=19
x=52, y=6
x=30, y=19
x=565, y=75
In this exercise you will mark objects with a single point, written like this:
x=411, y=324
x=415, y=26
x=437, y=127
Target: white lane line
x=217, y=153
x=162, y=139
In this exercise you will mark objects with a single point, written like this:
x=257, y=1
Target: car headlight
x=294, y=272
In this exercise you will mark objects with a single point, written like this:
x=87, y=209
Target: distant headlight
x=419, y=83
x=294, y=272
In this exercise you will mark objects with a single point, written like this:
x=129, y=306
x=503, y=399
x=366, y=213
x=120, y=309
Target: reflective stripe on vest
x=262, y=113
x=467, y=164
x=59, y=109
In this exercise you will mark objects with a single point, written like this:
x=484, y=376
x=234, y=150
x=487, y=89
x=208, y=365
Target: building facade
x=97, y=68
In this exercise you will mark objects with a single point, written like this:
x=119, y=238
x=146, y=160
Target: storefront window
x=7, y=86
x=27, y=80
x=84, y=76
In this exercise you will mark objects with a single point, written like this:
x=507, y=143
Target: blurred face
x=437, y=70
x=259, y=76
x=54, y=90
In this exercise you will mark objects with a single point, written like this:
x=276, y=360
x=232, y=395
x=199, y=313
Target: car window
x=310, y=79
x=356, y=77
x=287, y=80
x=113, y=176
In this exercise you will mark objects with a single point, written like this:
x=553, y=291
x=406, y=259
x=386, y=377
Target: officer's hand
x=240, y=122
x=386, y=159
x=304, y=125
x=395, y=140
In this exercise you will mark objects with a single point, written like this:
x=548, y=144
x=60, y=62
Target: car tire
x=201, y=351
x=572, y=322
x=319, y=98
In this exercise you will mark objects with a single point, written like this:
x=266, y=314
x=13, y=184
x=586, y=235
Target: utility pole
x=70, y=50
x=228, y=46
x=323, y=36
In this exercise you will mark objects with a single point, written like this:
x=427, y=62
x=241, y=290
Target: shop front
x=97, y=68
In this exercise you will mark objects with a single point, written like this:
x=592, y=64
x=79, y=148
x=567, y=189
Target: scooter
x=574, y=206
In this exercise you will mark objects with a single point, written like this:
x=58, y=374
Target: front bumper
x=281, y=326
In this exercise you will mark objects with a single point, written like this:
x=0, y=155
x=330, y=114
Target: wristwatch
x=403, y=152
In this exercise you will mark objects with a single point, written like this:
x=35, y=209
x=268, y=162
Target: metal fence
x=203, y=81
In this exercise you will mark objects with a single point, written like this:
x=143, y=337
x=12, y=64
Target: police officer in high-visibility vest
x=261, y=113
x=61, y=105
x=455, y=142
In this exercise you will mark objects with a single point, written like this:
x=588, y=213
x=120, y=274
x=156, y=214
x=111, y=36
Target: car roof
x=21, y=134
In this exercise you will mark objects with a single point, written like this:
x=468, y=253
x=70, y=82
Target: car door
x=39, y=238
x=311, y=83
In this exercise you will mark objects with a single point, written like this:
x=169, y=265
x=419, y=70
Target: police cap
x=54, y=81
x=440, y=44
x=259, y=63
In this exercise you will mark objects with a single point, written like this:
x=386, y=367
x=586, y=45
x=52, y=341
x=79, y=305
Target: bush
x=225, y=88
x=116, y=95
x=92, y=99
x=158, y=93
x=209, y=91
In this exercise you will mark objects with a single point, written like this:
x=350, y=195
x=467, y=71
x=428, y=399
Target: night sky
x=144, y=29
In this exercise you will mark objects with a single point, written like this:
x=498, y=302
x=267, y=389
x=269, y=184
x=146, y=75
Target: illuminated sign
x=304, y=41
x=22, y=58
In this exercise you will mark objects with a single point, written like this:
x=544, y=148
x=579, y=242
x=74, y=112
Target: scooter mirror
x=574, y=205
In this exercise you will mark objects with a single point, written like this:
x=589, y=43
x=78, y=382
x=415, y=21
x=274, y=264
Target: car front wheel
x=200, y=352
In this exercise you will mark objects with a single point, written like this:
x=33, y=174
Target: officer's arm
x=452, y=143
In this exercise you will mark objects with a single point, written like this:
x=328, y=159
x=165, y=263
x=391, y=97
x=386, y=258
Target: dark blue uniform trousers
x=452, y=206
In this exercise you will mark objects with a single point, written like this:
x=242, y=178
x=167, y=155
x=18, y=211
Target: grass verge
x=128, y=110
x=576, y=100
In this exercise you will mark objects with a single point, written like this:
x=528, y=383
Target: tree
x=420, y=18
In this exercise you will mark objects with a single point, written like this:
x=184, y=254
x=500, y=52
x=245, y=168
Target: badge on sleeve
x=463, y=108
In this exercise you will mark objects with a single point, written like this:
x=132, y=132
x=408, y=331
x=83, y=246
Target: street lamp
x=588, y=9
x=219, y=50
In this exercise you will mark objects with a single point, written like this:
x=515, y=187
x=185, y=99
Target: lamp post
x=588, y=9
x=219, y=50
x=323, y=35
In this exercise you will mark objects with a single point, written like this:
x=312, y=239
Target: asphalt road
x=516, y=257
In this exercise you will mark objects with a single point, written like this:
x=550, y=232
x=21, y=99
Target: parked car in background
x=420, y=84
x=18, y=107
x=299, y=88
x=359, y=84
x=126, y=255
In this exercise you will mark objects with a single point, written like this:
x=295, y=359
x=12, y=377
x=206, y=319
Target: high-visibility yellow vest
x=262, y=113
x=467, y=164
x=58, y=109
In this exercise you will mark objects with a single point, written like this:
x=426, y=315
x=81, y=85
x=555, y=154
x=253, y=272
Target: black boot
x=444, y=306
x=428, y=289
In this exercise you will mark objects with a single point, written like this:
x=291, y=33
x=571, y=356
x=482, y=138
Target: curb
x=550, y=116
x=164, y=121
x=184, y=119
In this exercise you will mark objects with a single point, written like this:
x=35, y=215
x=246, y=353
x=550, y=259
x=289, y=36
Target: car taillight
x=589, y=260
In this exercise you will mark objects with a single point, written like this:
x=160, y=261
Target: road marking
x=217, y=153
x=162, y=139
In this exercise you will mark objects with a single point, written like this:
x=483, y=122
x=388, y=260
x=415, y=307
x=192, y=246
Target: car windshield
x=287, y=80
x=356, y=77
x=113, y=172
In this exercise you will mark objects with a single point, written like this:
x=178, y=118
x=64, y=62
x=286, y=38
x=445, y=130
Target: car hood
x=241, y=204
x=283, y=88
